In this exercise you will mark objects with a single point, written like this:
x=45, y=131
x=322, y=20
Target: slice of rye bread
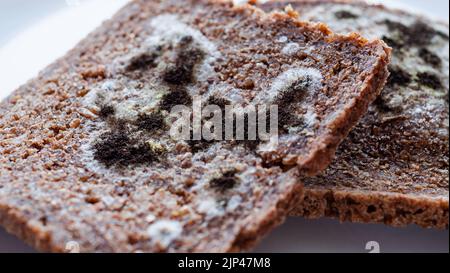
x=393, y=168
x=86, y=153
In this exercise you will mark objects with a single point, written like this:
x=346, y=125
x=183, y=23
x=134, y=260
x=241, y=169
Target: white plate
x=33, y=37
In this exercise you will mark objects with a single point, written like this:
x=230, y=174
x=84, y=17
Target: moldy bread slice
x=86, y=153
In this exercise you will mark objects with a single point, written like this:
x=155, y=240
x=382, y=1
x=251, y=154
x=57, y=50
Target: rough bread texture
x=86, y=154
x=393, y=168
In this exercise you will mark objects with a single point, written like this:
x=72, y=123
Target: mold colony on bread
x=175, y=55
x=162, y=74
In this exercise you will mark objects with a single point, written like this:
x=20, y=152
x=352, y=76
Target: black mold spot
x=219, y=101
x=399, y=77
x=396, y=26
x=392, y=42
x=117, y=148
x=177, y=96
x=252, y=145
x=200, y=145
x=249, y=144
x=226, y=182
x=291, y=95
x=382, y=105
x=222, y=103
x=430, y=80
x=286, y=101
x=150, y=122
x=186, y=41
x=442, y=35
x=345, y=15
x=418, y=34
x=143, y=62
x=430, y=58
x=182, y=72
x=106, y=111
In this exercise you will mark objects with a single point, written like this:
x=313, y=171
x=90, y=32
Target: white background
x=35, y=33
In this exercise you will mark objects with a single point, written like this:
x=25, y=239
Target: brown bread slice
x=393, y=168
x=86, y=155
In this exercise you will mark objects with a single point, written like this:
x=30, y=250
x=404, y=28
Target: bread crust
x=397, y=210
